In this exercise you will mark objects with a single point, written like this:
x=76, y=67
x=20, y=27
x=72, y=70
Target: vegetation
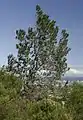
x=75, y=101
x=40, y=49
x=26, y=95
x=14, y=107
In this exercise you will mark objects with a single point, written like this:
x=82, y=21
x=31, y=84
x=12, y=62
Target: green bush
x=9, y=93
x=14, y=107
x=74, y=102
x=46, y=109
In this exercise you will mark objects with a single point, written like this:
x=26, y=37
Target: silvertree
x=40, y=49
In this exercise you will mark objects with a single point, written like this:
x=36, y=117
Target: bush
x=14, y=107
x=74, y=103
x=9, y=93
x=46, y=109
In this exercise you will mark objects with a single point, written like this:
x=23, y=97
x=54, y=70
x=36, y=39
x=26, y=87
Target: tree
x=40, y=49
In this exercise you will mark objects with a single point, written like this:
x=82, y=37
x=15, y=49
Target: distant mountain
x=72, y=78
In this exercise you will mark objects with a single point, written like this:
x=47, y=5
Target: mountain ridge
x=73, y=78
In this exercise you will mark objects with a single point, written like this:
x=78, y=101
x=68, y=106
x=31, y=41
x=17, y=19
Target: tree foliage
x=40, y=49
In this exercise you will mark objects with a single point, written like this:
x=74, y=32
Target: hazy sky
x=15, y=14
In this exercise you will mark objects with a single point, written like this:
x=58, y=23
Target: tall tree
x=40, y=49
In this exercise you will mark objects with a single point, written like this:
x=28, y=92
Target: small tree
x=40, y=49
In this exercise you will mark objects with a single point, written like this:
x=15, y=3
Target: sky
x=20, y=14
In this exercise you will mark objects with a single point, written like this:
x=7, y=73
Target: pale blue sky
x=15, y=14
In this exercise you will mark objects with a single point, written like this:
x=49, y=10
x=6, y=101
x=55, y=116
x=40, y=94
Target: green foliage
x=8, y=82
x=13, y=107
x=9, y=90
x=40, y=49
x=74, y=103
x=46, y=109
